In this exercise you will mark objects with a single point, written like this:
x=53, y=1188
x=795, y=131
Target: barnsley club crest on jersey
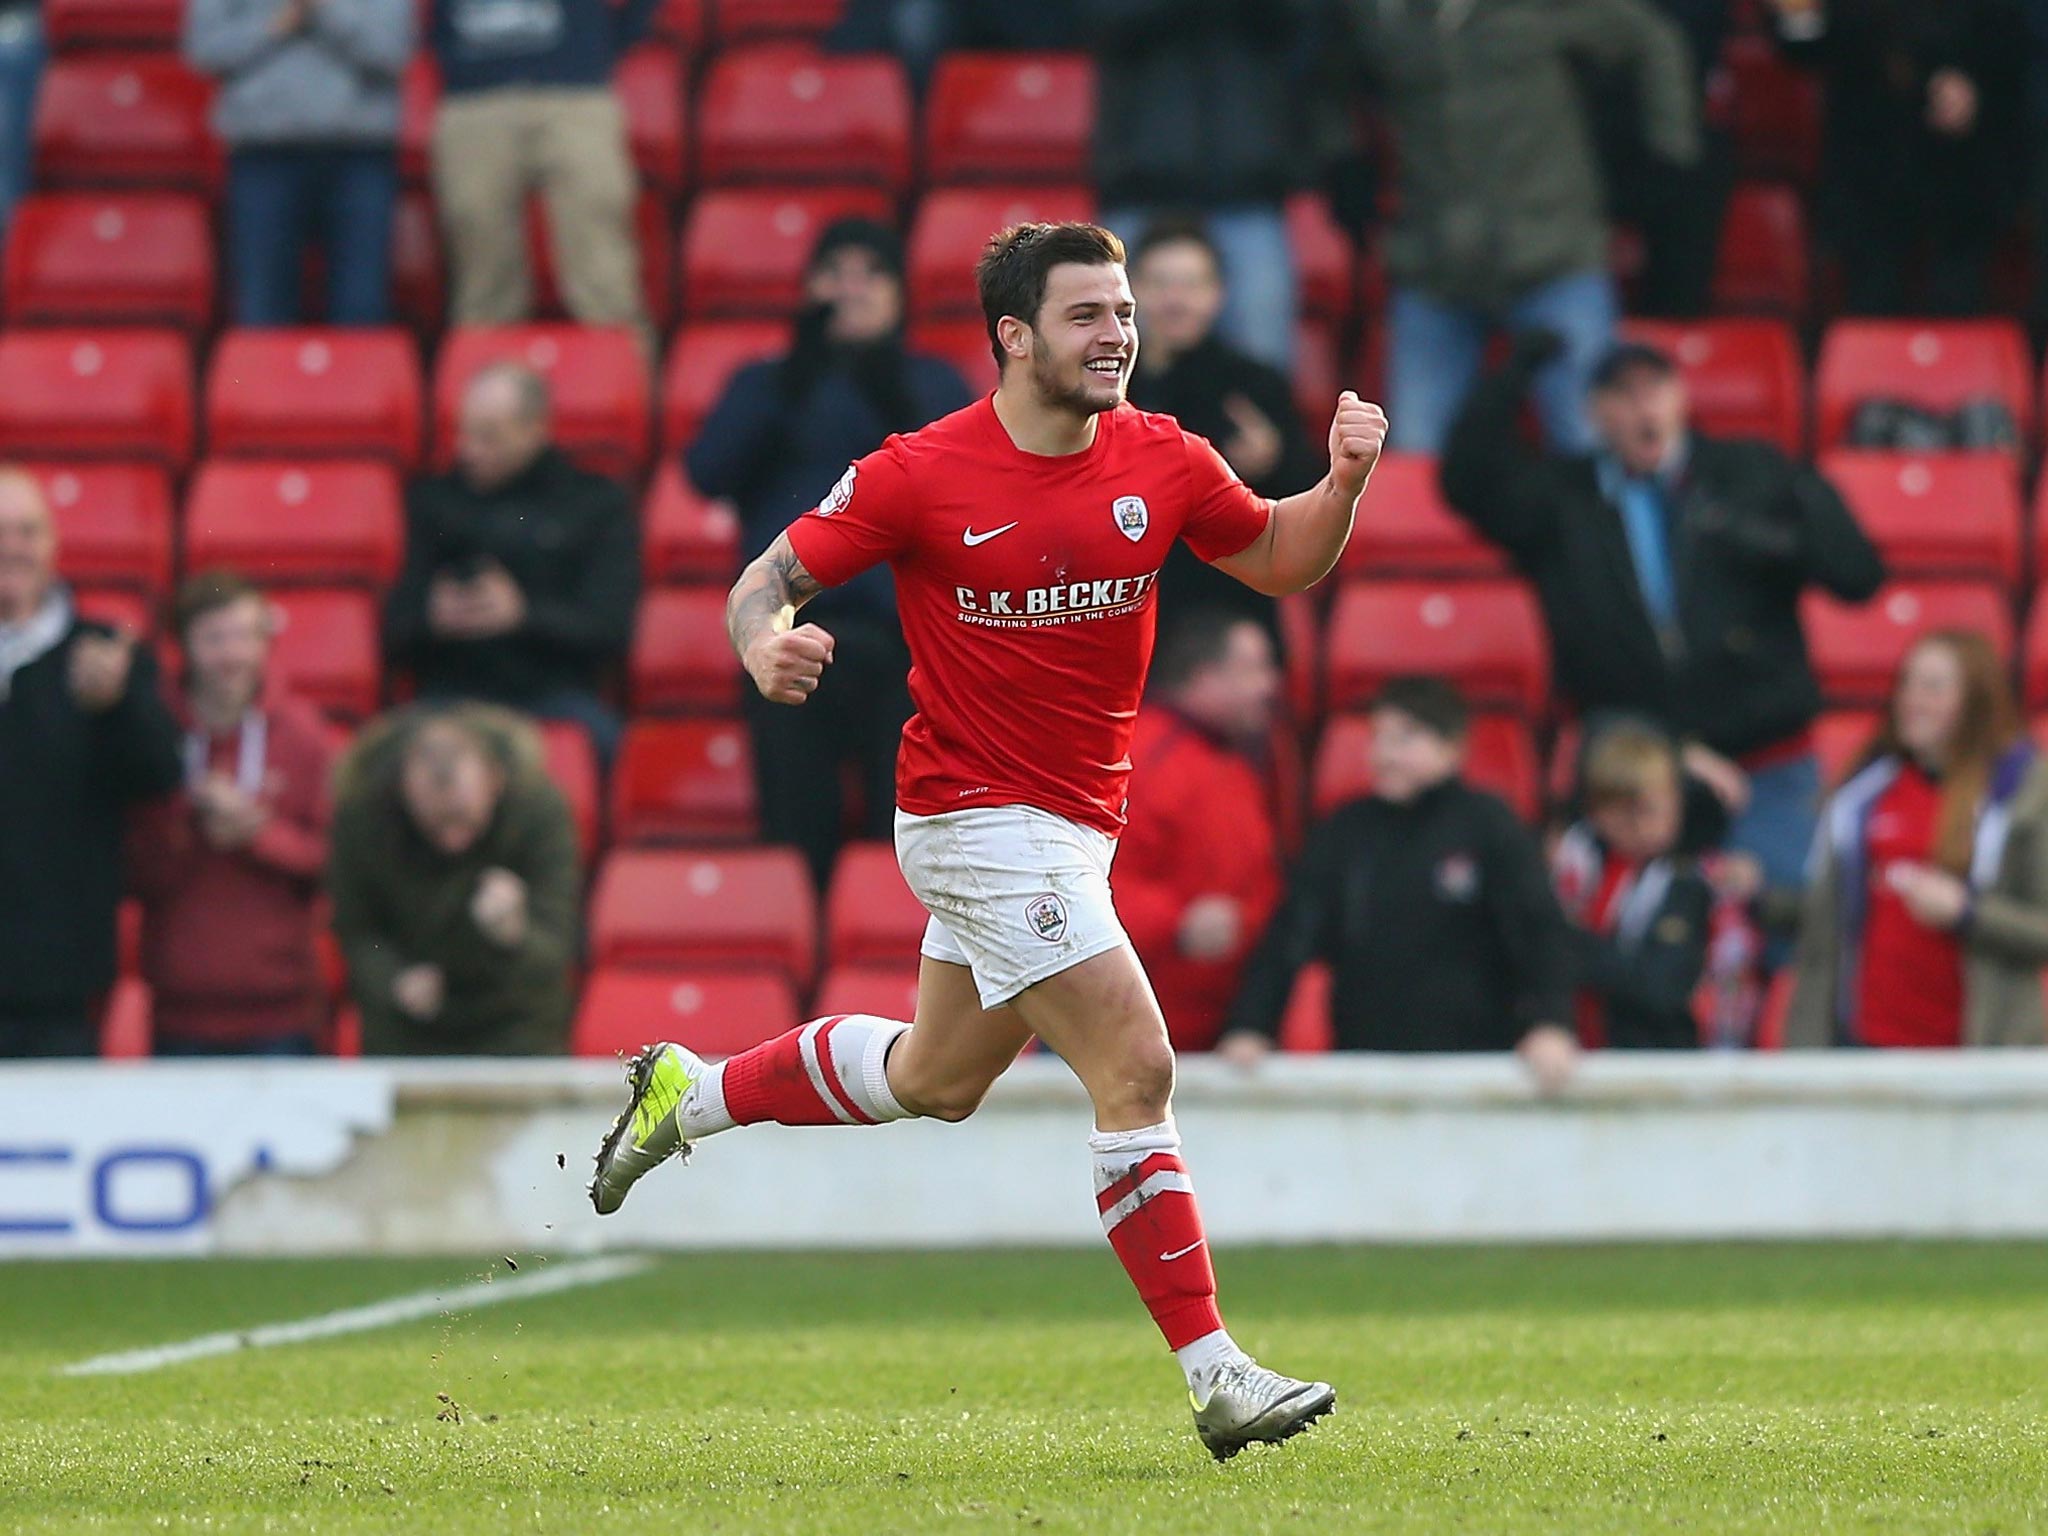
x=1131, y=517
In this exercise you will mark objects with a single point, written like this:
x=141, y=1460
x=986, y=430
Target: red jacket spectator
x=229, y=911
x=1198, y=870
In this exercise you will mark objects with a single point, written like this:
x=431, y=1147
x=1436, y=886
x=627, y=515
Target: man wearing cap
x=778, y=439
x=1669, y=565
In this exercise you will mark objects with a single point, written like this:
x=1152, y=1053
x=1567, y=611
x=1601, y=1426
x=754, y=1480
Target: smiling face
x=226, y=650
x=1927, y=710
x=1083, y=341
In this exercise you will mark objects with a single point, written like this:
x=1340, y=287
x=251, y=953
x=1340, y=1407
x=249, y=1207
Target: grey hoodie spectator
x=309, y=107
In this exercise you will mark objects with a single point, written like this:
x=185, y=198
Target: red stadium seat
x=597, y=378
x=714, y=1013
x=744, y=249
x=1305, y=1026
x=1317, y=377
x=119, y=607
x=1500, y=756
x=419, y=97
x=572, y=764
x=682, y=22
x=684, y=781
x=687, y=537
x=784, y=112
x=125, y=120
x=953, y=225
x=285, y=522
x=1938, y=364
x=1324, y=259
x=964, y=344
x=650, y=85
x=1839, y=737
x=113, y=523
x=886, y=991
x=69, y=25
x=1943, y=514
x=1486, y=636
x=1856, y=650
x=418, y=275
x=1743, y=375
x=681, y=658
x=741, y=21
x=700, y=365
x=330, y=392
x=738, y=908
x=327, y=649
x=654, y=238
x=127, y=1032
x=2035, y=661
x=870, y=916
x=102, y=394
x=1775, y=111
x=1407, y=529
x=1762, y=264
x=136, y=258
x=1009, y=117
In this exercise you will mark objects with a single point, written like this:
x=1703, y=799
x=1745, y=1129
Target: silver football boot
x=1250, y=1405
x=649, y=1129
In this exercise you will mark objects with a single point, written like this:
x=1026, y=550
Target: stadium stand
x=1009, y=117
x=1412, y=531
x=721, y=1013
x=1938, y=364
x=110, y=258
x=572, y=764
x=740, y=908
x=785, y=112
x=1500, y=756
x=952, y=225
x=114, y=523
x=743, y=249
x=871, y=919
x=684, y=781
x=1484, y=635
x=327, y=649
x=315, y=391
x=99, y=394
x=298, y=522
x=597, y=379
x=680, y=658
x=1945, y=514
x=700, y=363
x=686, y=536
x=1743, y=375
x=126, y=120
x=1856, y=650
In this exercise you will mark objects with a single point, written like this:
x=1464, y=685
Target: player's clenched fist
x=787, y=663
x=1357, y=433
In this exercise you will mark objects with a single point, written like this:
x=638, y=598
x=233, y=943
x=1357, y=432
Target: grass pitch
x=1854, y=1387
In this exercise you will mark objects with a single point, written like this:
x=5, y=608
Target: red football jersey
x=1025, y=585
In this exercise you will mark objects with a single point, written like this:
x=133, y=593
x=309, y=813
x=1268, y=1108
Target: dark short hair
x=1016, y=262
x=1625, y=358
x=1428, y=700
x=1194, y=641
x=1176, y=229
x=207, y=592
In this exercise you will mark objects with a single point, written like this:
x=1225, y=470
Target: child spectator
x=1429, y=901
x=229, y=869
x=1639, y=911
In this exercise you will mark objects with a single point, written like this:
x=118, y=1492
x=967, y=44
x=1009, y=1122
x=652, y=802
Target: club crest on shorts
x=840, y=494
x=1047, y=916
x=1132, y=518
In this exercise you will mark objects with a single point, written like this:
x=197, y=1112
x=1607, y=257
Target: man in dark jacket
x=1204, y=108
x=1502, y=212
x=1430, y=902
x=455, y=881
x=83, y=735
x=1669, y=566
x=522, y=570
x=780, y=436
x=1188, y=371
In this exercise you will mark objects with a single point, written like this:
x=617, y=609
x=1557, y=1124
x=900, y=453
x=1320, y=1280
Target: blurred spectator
x=527, y=106
x=1430, y=903
x=1927, y=920
x=1924, y=148
x=1640, y=913
x=1198, y=865
x=308, y=106
x=455, y=885
x=1669, y=565
x=83, y=735
x=1245, y=408
x=1204, y=109
x=919, y=31
x=522, y=570
x=1502, y=213
x=782, y=433
x=229, y=869
x=1676, y=209
x=22, y=56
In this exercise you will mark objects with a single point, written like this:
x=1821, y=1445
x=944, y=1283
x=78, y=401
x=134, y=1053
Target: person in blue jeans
x=22, y=55
x=309, y=107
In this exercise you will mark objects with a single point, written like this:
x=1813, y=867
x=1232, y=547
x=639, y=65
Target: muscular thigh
x=1100, y=1017
x=956, y=1040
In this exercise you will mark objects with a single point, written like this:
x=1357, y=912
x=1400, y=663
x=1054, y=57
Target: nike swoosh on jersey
x=970, y=538
x=1181, y=1253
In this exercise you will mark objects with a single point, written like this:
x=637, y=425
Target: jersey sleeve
x=1224, y=514
x=864, y=520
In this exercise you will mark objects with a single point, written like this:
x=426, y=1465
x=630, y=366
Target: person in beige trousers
x=1926, y=921
x=528, y=106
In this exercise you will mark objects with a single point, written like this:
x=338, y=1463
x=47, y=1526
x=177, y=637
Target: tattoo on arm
x=776, y=580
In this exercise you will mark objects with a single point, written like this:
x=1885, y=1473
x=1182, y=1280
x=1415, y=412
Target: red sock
x=832, y=1071
x=1148, y=1208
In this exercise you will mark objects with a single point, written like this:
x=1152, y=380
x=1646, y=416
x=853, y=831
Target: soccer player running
x=1026, y=533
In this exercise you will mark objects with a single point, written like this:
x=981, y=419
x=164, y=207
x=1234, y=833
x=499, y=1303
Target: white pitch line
x=380, y=1314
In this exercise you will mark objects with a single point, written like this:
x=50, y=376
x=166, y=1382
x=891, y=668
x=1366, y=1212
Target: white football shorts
x=1015, y=894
